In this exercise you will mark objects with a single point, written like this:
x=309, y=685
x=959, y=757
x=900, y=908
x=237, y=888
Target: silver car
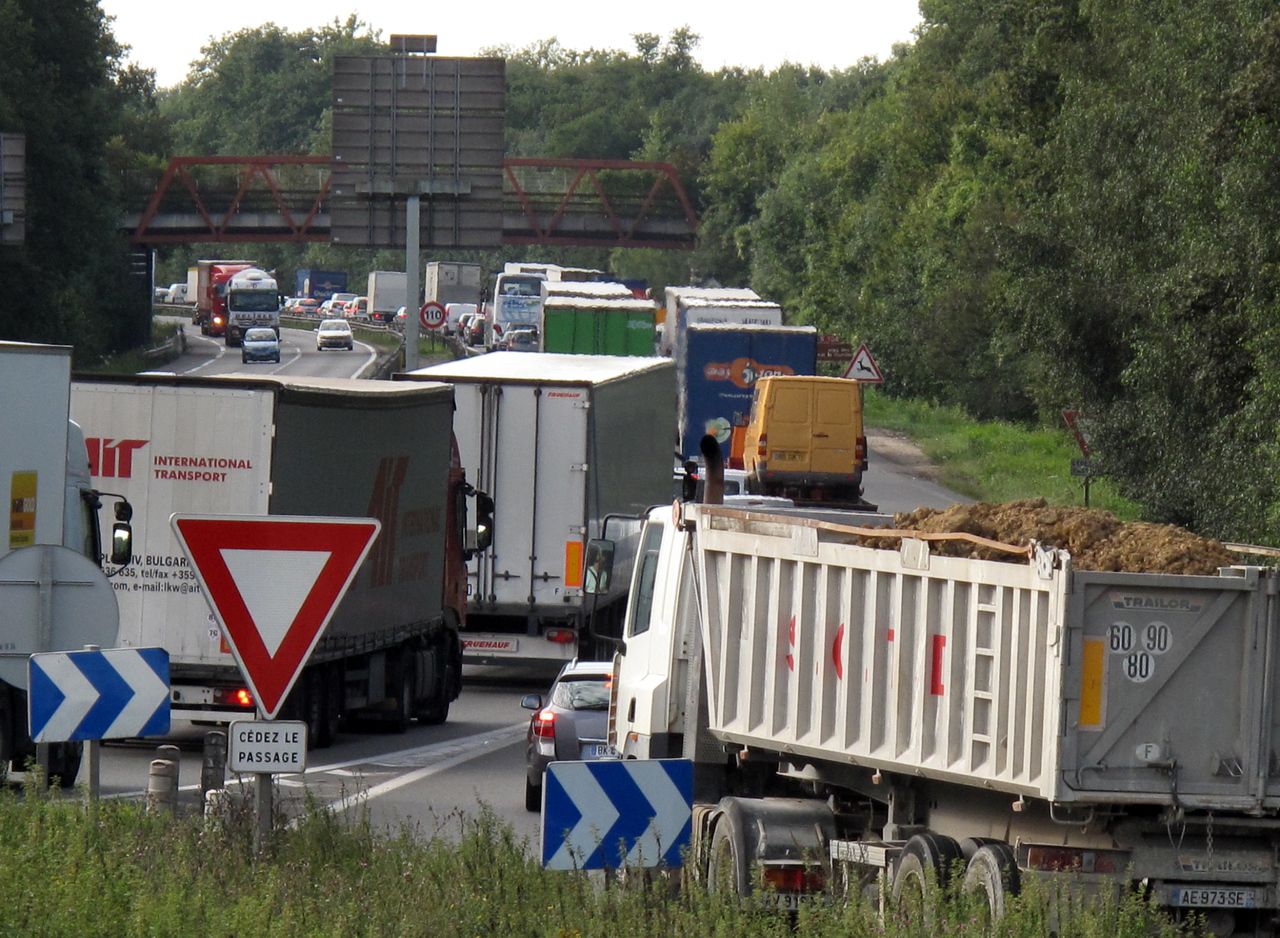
x=260, y=344
x=572, y=725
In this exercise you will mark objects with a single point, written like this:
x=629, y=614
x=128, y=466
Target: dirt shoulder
x=898, y=448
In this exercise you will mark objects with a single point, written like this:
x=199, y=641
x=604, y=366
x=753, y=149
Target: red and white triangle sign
x=273, y=583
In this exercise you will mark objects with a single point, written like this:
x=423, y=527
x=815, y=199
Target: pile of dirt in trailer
x=1097, y=539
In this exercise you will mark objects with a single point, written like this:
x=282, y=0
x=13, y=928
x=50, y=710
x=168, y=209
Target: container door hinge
x=579, y=467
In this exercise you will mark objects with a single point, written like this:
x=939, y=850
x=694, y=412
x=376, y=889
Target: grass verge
x=120, y=871
x=161, y=352
x=994, y=461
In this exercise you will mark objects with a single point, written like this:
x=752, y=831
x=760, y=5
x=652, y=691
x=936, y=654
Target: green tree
x=58, y=87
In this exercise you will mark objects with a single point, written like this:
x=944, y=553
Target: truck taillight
x=561, y=636
x=544, y=724
x=861, y=452
x=233, y=697
x=762, y=448
x=794, y=878
x=1076, y=859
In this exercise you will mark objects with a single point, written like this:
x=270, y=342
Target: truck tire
x=402, y=689
x=993, y=874
x=315, y=706
x=923, y=870
x=64, y=763
x=728, y=870
x=432, y=708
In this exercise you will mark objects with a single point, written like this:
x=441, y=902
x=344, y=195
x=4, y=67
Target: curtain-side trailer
x=264, y=446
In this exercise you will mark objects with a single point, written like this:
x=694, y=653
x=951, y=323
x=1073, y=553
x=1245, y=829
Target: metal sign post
x=413, y=279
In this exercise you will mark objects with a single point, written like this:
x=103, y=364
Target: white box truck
x=50, y=540
x=866, y=714
x=279, y=446
x=388, y=289
x=684, y=306
x=448, y=282
x=567, y=445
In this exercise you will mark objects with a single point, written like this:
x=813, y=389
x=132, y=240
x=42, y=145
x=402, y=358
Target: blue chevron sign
x=116, y=693
x=616, y=813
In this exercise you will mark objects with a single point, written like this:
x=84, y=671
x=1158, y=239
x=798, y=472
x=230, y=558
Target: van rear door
x=837, y=422
x=787, y=424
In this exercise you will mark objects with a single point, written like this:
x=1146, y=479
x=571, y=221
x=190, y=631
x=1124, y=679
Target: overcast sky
x=833, y=34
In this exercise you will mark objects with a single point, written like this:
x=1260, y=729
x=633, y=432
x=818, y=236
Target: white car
x=334, y=305
x=334, y=333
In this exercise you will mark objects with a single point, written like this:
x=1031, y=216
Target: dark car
x=571, y=726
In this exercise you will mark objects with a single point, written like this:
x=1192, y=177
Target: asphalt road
x=431, y=777
x=206, y=356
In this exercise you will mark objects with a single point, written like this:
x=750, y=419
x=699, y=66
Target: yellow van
x=805, y=439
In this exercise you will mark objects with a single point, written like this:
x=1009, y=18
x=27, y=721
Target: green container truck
x=598, y=326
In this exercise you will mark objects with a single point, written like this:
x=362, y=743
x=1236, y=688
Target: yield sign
x=864, y=367
x=273, y=583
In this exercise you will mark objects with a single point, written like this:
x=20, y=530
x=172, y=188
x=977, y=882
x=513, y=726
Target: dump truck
x=276, y=446
x=861, y=707
x=566, y=445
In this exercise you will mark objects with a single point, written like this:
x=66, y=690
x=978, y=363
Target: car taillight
x=861, y=452
x=497, y=329
x=762, y=448
x=561, y=636
x=544, y=724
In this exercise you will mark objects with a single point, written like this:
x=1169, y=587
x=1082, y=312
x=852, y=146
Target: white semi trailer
x=889, y=713
x=566, y=445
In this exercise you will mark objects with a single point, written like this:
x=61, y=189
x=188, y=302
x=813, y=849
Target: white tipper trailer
x=565, y=445
x=292, y=446
x=889, y=713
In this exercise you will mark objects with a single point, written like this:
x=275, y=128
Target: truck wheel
x=402, y=690
x=314, y=709
x=64, y=763
x=727, y=869
x=433, y=707
x=992, y=875
x=923, y=871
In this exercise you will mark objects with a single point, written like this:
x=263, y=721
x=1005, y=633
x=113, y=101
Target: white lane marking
x=369, y=359
x=219, y=344
x=456, y=751
x=481, y=746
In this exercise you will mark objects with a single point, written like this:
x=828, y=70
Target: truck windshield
x=253, y=301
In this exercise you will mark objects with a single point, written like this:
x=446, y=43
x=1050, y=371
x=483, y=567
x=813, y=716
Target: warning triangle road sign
x=273, y=584
x=864, y=368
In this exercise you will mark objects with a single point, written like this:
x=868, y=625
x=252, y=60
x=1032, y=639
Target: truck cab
x=252, y=298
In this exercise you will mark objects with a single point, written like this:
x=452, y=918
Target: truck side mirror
x=121, y=544
x=484, y=521
x=599, y=571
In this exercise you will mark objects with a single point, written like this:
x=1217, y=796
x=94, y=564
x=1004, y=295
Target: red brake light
x=544, y=724
x=793, y=878
x=244, y=698
x=762, y=448
x=561, y=636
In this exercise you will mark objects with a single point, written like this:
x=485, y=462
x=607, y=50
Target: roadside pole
x=413, y=277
